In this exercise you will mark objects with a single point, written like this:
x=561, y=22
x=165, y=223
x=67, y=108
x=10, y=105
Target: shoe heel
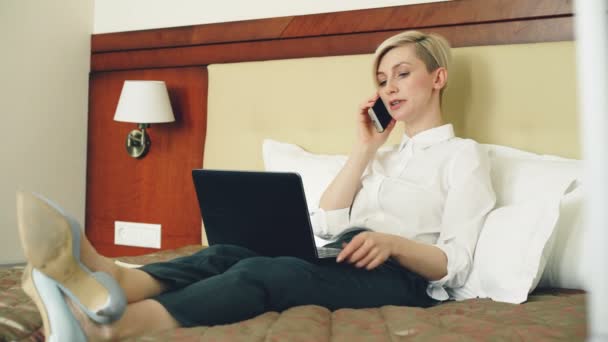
x=51, y=242
x=58, y=321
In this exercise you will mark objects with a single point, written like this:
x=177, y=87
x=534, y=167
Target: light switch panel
x=137, y=234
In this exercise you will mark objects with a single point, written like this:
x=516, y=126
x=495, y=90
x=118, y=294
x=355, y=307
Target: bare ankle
x=95, y=261
x=107, y=265
x=88, y=254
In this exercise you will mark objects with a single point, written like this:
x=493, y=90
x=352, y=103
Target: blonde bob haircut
x=432, y=49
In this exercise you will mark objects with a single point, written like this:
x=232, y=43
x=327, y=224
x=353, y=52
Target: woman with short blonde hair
x=433, y=49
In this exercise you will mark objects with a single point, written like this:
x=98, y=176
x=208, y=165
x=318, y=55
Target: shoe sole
x=46, y=236
x=27, y=284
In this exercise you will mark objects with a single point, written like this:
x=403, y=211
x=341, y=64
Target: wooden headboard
x=158, y=188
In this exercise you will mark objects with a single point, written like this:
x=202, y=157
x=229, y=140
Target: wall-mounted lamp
x=144, y=103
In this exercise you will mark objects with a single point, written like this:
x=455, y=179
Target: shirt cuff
x=437, y=292
x=326, y=224
x=458, y=270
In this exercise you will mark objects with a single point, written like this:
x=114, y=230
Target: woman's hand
x=367, y=134
x=368, y=249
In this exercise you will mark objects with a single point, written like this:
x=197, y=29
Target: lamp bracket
x=138, y=142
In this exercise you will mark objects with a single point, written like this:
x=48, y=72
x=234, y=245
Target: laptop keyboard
x=328, y=252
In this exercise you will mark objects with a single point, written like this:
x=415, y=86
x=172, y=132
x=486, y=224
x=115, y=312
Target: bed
x=499, y=94
x=549, y=314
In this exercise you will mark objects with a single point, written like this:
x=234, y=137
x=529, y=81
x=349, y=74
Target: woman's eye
x=382, y=83
x=404, y=74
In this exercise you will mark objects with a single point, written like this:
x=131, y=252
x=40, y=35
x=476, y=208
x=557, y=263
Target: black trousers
x=226, y=284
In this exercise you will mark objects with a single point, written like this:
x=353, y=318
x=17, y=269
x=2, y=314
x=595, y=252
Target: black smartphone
x=379, y=115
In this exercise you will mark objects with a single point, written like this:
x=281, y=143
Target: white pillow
x=563, y=253
x=512, y=247
x=518, y=237
x=535, y=175
x=517, y=175
x=316, y=170
x=564, y=267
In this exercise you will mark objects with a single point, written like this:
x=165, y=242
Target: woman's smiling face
x=404, y=83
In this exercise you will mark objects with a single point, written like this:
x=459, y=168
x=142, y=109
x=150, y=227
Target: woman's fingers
x=364, y=107
x=390, y=127
x=379, y=260
x=361, y=252
x=367, y=104
x=367, y=249
x=373, y=253
x=350, y=248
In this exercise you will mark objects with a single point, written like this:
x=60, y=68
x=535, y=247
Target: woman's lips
x=394, y=105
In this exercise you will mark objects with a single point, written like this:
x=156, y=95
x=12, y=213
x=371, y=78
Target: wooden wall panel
x=190, y=35
x=425, y=15
x=157, y=188
x=348, y=22
x=508, y=32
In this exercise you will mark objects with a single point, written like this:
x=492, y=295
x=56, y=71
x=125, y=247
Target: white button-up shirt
x=433, y=188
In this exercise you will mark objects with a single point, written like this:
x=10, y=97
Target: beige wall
x=120, y=15
x=44, y=65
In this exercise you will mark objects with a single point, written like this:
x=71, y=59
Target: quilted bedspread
x=548, y=315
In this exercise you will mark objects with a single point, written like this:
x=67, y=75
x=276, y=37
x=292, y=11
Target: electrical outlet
x=137, y=234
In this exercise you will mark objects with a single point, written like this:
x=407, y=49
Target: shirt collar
x=430, y=137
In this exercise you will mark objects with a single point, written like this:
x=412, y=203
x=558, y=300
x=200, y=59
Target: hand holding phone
x=379, y=115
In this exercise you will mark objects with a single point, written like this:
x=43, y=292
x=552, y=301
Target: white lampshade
x=144, y=102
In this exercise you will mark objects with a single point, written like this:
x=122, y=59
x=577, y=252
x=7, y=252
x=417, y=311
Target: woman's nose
x=391, y=87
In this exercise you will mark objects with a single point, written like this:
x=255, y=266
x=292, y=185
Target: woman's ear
x=441, y=78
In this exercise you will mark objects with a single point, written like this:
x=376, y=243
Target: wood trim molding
x=511, y=32
x=425, y=15
x=464, y=23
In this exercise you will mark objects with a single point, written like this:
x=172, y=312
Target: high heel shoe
x=51, y=242
x=57, y=318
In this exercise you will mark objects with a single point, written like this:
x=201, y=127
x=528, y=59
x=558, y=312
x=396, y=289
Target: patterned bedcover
x=549, y=315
